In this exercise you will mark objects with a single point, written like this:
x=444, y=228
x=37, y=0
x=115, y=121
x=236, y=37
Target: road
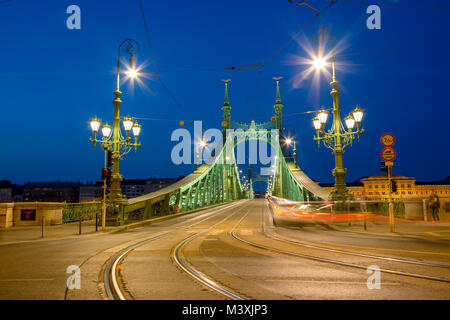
x=234, y=251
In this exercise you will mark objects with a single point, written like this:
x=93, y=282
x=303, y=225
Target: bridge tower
x=226, y=111
x=278, y=107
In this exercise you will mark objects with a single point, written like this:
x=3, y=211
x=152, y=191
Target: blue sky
x=53, y=80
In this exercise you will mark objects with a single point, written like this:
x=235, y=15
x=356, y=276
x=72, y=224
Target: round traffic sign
x=387, y=140
x=388, y=154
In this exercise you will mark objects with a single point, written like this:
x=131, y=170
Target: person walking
x=434, y=204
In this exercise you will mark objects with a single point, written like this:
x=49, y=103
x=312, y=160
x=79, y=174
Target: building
x=91, y=192
x=51, y=192
x=356, y=188
x=6, y=195
x=377, y=186
x=137, y=187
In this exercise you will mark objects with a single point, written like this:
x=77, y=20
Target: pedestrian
x=434, y=204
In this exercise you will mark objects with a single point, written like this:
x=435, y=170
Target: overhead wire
x=147, y=33
x=292, y=38
x=402, y=5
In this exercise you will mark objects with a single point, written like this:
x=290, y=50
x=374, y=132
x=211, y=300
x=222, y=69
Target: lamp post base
x=115, y=213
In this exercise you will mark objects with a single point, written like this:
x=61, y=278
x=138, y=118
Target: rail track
x=114, y=290
x=333, y=261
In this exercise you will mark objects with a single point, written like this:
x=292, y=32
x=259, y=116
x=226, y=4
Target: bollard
x=96, y=221
x=424, y=209
x=43, y=224
x=79, y=229
x=365, y=226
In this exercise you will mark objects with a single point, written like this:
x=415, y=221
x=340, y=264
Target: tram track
x=180, y=260
x=114, y=290
x=333, y=261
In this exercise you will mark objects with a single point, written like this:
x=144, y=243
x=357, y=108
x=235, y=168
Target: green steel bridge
x=219, y=181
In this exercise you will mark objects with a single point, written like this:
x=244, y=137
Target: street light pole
x=104, y=194
x=337, y=138
x=116, y=142
x=130, y=47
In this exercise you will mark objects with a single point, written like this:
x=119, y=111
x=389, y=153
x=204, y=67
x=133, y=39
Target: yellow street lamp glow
x=319, y=63
x=106, y=130
x=136, y=129
x=358, y=114
x=322, y=115
x=350, y=122
x=127, y=124
x=95, y=124
x=132, y=73
x=202, y=143
x=288, y=141
x=316, y=123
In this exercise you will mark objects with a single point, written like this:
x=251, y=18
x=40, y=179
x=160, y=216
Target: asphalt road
x=236, y=247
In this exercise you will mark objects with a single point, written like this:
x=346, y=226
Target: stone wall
x=20, y=214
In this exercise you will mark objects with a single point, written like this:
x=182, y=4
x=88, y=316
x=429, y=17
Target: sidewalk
x=71, y=230
x=366, y=223
x=436, y=230
x=34, y=233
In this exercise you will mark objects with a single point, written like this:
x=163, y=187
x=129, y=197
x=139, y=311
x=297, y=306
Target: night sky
x=53, y=80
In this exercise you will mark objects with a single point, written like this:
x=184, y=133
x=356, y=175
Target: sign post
x=388, y=155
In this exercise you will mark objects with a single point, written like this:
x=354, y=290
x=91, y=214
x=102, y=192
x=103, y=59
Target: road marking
x=434, y=234
x=327, y=282
x=340, y=245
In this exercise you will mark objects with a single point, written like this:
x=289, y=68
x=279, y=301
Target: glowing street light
x=113, y=140
x=202, y=144
x=319, y=63
x=337, y=138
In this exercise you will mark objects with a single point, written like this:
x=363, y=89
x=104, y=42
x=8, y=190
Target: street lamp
x=336, y=138
x=202, y=144
x=113, y=139
x=288, y=141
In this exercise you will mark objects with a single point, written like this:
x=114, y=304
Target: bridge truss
x=219, y=181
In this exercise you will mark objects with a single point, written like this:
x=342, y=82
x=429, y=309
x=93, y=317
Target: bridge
x=220, y=181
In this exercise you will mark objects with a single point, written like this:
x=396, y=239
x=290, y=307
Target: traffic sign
x=387, y=140
x=388, y=154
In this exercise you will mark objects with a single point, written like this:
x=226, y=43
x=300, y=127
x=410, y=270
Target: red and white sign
x=388, y=154
x=387, y=140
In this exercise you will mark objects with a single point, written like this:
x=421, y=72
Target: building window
x=409, y=186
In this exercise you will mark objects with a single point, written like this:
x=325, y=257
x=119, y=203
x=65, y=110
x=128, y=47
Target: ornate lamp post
x=201, y=144
x=288, y=141
x=336, y=138
x=113, y=138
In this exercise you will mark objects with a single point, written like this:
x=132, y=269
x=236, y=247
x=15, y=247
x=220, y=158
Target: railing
x=81, y=211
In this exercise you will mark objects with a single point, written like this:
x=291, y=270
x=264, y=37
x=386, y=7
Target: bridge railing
x=209, y=184
x=81, y=211
x=289, y=182
x=361, y=209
